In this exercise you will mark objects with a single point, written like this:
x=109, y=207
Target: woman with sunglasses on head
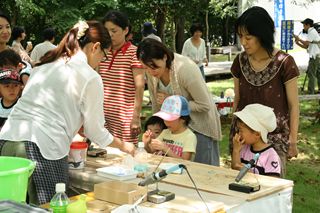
x=173, y=74
x=63, y=93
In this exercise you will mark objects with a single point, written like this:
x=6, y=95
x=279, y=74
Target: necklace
x=259, y=65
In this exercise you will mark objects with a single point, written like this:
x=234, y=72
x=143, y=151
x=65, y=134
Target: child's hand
x=147, y=136
x=237, y=142
x=158, y=145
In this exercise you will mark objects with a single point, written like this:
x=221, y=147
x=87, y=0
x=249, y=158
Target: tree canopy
x=172, y=18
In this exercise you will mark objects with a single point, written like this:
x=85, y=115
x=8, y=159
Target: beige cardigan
x=186, y=80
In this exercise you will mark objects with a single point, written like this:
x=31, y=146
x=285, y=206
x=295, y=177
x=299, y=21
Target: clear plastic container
x=141, y=157
x=60, y=201
x=77, y=155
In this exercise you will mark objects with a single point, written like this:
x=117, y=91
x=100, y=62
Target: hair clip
x=141, y=54
x=82, y=27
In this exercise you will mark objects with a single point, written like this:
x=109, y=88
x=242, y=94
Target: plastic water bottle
x=60, y=200
x=141, y=154
x=141, y=157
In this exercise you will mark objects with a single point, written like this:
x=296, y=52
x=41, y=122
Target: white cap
x=260, y=118
x=140, y=144
x=60, y=187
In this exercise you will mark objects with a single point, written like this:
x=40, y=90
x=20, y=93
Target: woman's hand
x=161, y=96
x=292, y=150
x=123, y=146
x=135, y=126
x=128, y=148
x=206, y=62
x=237, y=142
x=29, y=46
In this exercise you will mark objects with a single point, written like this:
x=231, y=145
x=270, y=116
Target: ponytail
x=76, y=38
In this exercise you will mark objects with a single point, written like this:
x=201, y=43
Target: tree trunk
x=207, y=37
x=160, y=22
x=180, y=21
x=173, y=33
x=225, y=32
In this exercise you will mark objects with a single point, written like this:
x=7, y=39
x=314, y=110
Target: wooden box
x=119, y=192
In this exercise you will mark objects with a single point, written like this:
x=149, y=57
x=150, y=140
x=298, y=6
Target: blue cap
x=173, y=108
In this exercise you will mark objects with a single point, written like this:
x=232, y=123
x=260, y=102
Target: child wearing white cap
x=178, y=140
x=255, y=121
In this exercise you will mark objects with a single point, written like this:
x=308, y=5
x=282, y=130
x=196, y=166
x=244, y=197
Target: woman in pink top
x=123, y=80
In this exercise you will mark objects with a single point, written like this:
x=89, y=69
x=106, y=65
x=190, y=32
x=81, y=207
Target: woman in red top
x=123, y=80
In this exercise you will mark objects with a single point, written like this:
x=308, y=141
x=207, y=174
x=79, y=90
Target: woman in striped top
x=123, y=80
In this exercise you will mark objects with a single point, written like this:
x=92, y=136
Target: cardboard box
x=119, y=192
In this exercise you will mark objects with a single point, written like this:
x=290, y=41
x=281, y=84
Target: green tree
x=224, y=12
x=35, y=15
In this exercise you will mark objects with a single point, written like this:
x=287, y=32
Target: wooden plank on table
x=207, y=178
x=217, y=179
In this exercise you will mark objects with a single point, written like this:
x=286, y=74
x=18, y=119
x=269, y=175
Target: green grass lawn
x=303, y=170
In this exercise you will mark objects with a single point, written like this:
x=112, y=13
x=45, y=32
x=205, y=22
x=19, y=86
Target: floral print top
x=267, y=87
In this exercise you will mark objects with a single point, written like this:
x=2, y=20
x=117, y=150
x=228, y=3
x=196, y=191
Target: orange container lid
x=78, y=145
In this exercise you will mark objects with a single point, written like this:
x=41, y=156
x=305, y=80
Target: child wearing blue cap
x=177, y=140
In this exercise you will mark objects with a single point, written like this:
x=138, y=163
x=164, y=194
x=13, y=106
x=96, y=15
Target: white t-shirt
x=153, y=36
x=313, y=36
x=59, y=98
x=4, y=112
x=40, y=49
x=193, y=52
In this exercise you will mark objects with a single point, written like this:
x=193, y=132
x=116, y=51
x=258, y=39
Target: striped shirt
x=119, y=90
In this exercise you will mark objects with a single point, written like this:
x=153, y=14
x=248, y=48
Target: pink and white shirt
x=268, y=162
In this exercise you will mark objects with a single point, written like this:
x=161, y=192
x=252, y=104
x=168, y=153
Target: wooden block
x=119, y=192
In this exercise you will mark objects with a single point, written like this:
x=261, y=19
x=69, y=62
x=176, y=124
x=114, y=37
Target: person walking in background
x=195, y=47
x=40, y=49
x=63, y=93
x=5, y=31
x=18, y=35
x=123, y=81
x=254, y=122
x=268, y=76
x=313, y=48
x=177, y=141
x=169, y=74
x=149, y=32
